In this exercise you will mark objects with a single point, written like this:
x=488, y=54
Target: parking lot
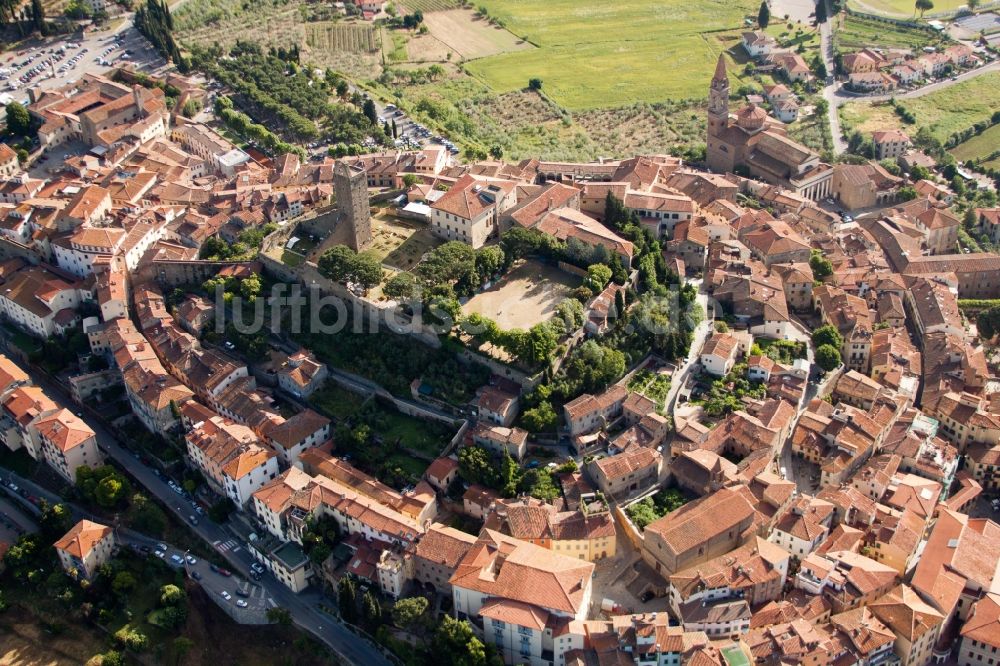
x=58, y=61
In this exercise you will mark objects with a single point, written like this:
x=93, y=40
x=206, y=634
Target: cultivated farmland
x=429, y=6
x=612, y=54
x=902, y=8
x=471, y=37
x=337, y=36
x=856, y=33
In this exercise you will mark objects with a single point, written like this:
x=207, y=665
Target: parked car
x=190, y=560
x=176, y=559
x=160, y=554
x=241, y=603
x=195, y=575
x=161, y=546
x=227, y=596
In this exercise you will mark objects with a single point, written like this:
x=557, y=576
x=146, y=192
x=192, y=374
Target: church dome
x=751, y=117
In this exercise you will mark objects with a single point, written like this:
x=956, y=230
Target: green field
x=902, y=8
x=978, y=147
x=944, y=112
x=612, y=54
x=857, y=33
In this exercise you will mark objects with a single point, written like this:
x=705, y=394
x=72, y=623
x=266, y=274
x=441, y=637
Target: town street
x=303, y=607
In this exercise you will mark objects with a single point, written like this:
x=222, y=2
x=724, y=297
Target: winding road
x=304, y=607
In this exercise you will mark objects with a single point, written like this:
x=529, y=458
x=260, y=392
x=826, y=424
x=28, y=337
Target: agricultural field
x=581, y=68
x=902, y=8
x=344, y=37
x=855, y=33
x=428, y=6
x=944, y=111
x=527, y=295
x=471, y=37
x=268, y=23
x=978, y=147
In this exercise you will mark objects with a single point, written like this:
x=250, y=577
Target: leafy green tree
x=401, y=287
x=367, y=270
x=409, y=611
x=131, y=638
x=18, y=119
x=489, y=261
x=598, y=275
x=56, y=519
x=540, y=418
x=827, y=335
x=763, y=15
x=455, y=644
x=337, y=262
x=476, y=466
x=171, y=595
x=988, y=323
x=112, y=658
x=828, y=357
x=535, y=83
x=538, y=483
x=821, y=17
x=923, y=6
x=123, y=583
x=821, y=266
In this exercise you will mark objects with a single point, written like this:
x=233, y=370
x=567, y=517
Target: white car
x=160, y=554
x=241, y=603
x=191, y=560
x=226, y=596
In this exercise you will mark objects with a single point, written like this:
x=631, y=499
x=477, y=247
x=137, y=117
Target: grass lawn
x=992, y=164
x=408, y=464
x=979, y=146
x=857, y=33
x=901, y=8
x=944, y=111
x=411, y=433
x=600, y=55
x=335, y=401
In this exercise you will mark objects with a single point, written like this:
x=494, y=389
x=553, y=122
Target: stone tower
x=718, y=154
x=350, y=186
x=718, y=99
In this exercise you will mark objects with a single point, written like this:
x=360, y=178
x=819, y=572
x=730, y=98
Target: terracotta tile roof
x=82, y=538
x=441, y=468
x=700, y=520
x=984, y=623
x=501, y=566
x=296, y=429
x=905, y=613
x=864, y=631
x=444, y=545
x=63, y=429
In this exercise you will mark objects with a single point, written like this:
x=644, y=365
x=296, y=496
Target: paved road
x=347, y=645
x=701, y=333
x=830, y=91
